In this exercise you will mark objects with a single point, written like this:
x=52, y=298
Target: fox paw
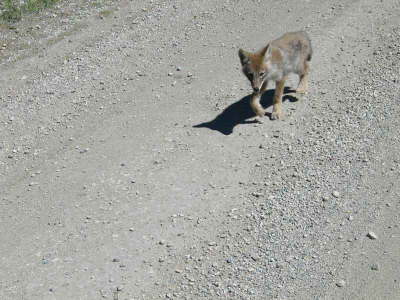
x=258, y=120
x=276, y=115
x=260, y=113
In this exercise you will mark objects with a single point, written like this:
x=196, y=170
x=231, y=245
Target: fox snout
x=256, y=84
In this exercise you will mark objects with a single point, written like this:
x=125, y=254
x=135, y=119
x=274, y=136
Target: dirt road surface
x=130, y=167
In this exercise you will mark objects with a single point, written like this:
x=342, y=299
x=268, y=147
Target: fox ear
x=244, y=57
x=266, y=51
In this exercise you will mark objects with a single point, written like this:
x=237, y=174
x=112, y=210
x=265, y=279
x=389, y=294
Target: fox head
x=255, y=66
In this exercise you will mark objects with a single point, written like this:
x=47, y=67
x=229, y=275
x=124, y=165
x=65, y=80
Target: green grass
x=14, y=12
x=106, y=13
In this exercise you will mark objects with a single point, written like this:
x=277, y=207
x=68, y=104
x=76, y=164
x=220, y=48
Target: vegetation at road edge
x=13, y=12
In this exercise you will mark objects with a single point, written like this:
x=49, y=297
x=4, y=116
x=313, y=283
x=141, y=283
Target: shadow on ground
x=240, y=111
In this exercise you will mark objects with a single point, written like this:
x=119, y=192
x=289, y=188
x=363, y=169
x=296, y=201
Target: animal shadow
x=238, y=112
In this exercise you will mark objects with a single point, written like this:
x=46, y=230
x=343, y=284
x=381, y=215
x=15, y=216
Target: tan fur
x=288, y=54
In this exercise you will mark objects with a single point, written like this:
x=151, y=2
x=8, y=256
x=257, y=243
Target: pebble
x=341, y=283
x=116, y=260
x=257, y=194
x=336, y=194
x=375, y=267
x=254, y=257
x=372, y=235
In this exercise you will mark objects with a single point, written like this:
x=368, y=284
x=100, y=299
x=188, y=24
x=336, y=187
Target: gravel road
x=131, y=167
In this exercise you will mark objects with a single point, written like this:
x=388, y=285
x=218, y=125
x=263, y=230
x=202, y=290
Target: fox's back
x=295, y=47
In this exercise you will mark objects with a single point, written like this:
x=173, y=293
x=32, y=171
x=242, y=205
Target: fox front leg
x=277, y=101
x=256, y=106
x=264, y=87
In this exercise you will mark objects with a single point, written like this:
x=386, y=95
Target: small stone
x=161, y=242
x=341, y=283
x=103, y=293
x=212, y=244
x=350, y=218
x=116, y=260
x=372, y=235
x=375, y=267
x=336, y=194
x=254, y=257
x=178, y=271
x=131, y=229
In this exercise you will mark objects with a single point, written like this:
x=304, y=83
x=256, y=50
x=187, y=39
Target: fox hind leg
x=302, y=88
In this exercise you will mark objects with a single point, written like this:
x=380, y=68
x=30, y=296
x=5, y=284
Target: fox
x=289, y=54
